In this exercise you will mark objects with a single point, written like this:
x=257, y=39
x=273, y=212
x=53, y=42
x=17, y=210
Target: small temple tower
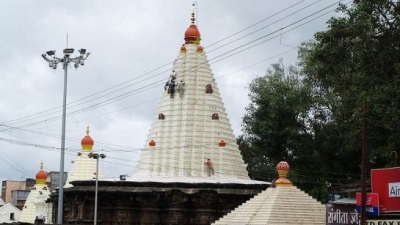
x=281, y=204
x=35, y=207
x=83, y=167
x=191, y=124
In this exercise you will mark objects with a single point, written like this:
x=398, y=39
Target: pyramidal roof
x=84, y=167
x=191, y=125
x=282, y=204
x=35, y=204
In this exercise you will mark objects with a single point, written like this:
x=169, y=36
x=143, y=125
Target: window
x=12, y=216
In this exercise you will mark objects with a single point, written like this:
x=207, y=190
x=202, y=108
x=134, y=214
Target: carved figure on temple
x=215, y=116
x=161, y=116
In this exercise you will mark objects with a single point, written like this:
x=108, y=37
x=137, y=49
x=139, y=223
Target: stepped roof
x=191, y=125
x=282, y=204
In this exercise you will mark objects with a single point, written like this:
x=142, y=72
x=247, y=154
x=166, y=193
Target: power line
x=25, y=118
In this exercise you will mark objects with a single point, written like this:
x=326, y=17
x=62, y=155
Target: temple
x=190, y=170
x=83, y=167
x=36, y=209
x=191, y=125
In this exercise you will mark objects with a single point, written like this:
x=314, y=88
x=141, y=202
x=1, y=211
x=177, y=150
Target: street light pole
x=53, y=61
x=96, y=156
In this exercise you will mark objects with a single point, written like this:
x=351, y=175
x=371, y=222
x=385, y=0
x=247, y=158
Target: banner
x=386, y=183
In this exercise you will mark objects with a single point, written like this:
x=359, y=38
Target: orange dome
x=283, y=169
x=200, y=49
x=192, y=34
x=41, y=176
x=87, y=142
x=282, y=165
x=183, y=49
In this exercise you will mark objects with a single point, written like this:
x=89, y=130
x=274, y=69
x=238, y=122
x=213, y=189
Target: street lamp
x=97, y=157
x=50, y=57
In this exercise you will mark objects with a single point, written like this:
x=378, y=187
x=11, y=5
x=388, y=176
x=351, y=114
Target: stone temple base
x=152, y=203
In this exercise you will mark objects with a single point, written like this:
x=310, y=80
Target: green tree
x=278, y=126
x=354, y=63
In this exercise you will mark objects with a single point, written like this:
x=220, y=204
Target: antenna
x=67, y=40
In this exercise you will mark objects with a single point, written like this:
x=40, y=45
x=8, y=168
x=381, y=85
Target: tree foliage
x=311, y=116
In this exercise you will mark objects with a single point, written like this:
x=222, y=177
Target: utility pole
x=364, y=162
x=53, y=61
x=97, y=157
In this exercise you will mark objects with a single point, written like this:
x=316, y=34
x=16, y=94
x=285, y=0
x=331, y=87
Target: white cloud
x=127, y=39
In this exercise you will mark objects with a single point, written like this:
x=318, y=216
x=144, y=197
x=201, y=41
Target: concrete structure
x=9, y=213
x=35, y=206
x=19, y=197
x=84, y=168
x=9, y=185
x=283, y=204
x=53, y=179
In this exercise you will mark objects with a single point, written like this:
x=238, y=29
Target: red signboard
x=386, y=182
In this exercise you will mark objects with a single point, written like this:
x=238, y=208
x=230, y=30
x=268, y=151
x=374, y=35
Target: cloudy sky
x=132, y=45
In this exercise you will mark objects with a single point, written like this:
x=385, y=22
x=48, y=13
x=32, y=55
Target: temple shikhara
x=191, y=125
x=83, y=167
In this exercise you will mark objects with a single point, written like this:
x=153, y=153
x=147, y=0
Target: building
x=190, y=170
x=9, y=213
x=9, y=185
x=53, y=179
x=19, y=197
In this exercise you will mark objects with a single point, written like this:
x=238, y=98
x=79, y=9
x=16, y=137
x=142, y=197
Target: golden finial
x=41, y=165
x=87, y=130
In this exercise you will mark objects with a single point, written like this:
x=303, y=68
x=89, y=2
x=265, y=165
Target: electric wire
x=237, y=48
x=168, y=63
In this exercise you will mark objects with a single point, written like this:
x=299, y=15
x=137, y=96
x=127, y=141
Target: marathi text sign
x=337, y=214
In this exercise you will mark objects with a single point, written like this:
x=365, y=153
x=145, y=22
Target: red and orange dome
x=41, y=176
x=87, y=142
x=283, y=169
x=192, y=34
x=282, y=165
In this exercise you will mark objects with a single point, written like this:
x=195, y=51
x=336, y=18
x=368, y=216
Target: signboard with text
x=386, y=183
x=383, y=222
x=337, y=214
x=371, y=204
